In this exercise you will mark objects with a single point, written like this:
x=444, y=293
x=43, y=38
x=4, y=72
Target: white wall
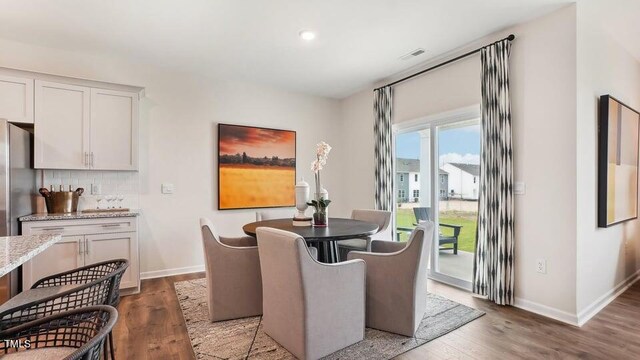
x=543, y=82
x=608, y=259
x=178, y=142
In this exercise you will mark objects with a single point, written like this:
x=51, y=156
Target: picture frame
x=618, y=152
x=256, y=167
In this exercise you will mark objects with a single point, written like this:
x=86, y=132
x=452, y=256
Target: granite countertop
x=78, y=215
x=16, y=250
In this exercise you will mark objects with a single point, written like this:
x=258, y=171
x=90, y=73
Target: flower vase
x=321, y=218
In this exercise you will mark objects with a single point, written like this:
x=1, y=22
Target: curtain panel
x=383, y=155
x=494, y=256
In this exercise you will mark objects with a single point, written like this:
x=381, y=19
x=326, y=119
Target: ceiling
x=358, y=42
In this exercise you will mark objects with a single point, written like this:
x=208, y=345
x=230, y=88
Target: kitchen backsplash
x=124, y=183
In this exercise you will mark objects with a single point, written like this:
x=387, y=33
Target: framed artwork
x=256, y=167
x=618, y=148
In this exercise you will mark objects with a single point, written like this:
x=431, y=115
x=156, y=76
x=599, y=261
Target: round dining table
x=322, y=238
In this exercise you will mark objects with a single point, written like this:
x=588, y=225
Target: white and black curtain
x=383, y=149
x=494, y=257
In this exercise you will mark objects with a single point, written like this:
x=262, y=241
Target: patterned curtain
x=383, y=149
x=493, y=262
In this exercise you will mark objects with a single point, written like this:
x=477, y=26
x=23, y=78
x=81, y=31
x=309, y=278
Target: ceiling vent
x=414, y=53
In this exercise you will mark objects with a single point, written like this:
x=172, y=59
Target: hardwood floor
x=151, y=327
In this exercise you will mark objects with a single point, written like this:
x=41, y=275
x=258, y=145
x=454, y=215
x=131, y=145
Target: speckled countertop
x=16, y=250
x=78, y=215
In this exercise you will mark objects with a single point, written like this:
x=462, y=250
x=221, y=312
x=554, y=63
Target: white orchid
x=322, y=152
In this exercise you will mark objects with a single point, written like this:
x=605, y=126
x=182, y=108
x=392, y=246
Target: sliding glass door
x=437, y=179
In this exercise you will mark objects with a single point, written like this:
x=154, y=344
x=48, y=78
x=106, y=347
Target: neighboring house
x=464, y=180
x=408, y=181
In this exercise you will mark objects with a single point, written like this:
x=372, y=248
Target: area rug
x=244, y=338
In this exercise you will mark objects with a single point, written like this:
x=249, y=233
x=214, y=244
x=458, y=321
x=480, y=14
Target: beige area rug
x=244, y=338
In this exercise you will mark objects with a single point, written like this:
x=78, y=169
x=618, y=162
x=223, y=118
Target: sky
x=454, y=145
x=256, y=142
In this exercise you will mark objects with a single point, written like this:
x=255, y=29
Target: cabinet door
x=16, y=99
x=64, y=255
x=114, y=130
x=62, y=126
x=104, y=247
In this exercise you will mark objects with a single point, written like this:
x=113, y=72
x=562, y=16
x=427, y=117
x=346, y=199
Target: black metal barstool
x=68, y=335
x=95, y=284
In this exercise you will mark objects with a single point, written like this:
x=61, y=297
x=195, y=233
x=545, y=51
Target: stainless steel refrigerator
x=17, y=187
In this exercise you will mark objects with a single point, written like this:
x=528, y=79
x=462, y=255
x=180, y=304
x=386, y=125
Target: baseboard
x=547, y=311
x=171, y=272
x=604, y=300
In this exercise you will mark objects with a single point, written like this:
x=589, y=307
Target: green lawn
x=468, y=221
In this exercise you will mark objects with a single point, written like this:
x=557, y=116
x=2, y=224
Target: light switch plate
x=519, y=188
x=167, y=188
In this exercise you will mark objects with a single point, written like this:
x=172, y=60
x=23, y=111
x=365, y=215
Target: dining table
x=323, y=238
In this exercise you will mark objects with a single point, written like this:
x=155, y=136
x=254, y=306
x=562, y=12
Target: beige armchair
x=380, y=217
x=397, y=281
x=312, y=309
x=232, y=266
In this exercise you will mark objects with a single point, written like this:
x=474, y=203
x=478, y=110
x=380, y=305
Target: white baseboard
x=171, y=272
x=547, y=311
x=604, y=300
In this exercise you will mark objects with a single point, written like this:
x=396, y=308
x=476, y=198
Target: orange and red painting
x=256, y=167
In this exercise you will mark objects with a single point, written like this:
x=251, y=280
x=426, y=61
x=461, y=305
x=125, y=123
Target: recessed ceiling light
x=307, y=35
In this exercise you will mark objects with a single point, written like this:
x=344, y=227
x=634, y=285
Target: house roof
x=472, y=169
x=411, y=165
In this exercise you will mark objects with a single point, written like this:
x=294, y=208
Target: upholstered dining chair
x=380, y=217
x=312, y=309
x=397, y=281
x=232, y=269
x=275, y=214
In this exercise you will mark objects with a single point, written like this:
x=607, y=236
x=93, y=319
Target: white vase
x=302, y=198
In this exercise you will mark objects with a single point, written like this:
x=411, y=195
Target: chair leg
x=105, y=351
x=455, y=248
x=111, y=350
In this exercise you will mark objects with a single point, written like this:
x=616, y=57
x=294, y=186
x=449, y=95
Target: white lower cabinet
x=85, y=242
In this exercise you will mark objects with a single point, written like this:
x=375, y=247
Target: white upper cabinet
x=80, y=127
x=114, y=130
x=62, y=126
x=16, y=99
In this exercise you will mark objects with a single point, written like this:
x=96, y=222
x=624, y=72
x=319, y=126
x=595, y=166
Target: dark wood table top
x=338, y=229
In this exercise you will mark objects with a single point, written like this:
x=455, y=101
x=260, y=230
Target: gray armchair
x=232, y=266
x=380, y=217
x=312, y=309
x=397, y=281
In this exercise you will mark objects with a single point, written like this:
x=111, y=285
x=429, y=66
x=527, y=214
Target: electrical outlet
x=167, y=188
x=96, y=189
x=541, y=266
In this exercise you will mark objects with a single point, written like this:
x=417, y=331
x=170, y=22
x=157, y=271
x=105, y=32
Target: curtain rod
x=510, y=38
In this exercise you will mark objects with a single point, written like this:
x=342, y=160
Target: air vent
x=414, y=53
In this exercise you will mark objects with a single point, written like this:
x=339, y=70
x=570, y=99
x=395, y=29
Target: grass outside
x=468, y=221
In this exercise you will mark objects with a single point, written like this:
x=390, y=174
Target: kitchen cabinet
x=62, y=126
x=85, y=242
x=78, y=127
x=114, y=130
x=16, y=99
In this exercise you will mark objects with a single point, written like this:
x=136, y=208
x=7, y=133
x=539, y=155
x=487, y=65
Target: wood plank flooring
x=151, y=327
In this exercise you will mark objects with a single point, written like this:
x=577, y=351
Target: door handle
x=86, y=247
x=111, y=225
x=80, y=247
x=86, y=159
